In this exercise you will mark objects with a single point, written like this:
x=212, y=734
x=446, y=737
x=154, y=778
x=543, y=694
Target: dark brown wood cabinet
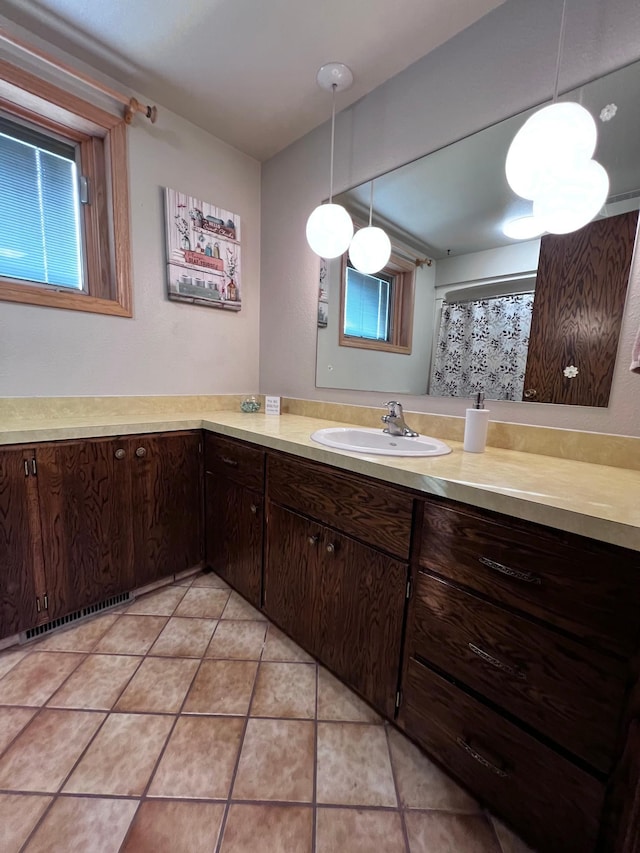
x=341, y=599
x=166, y=503
x=234, y=514
x=20, y=546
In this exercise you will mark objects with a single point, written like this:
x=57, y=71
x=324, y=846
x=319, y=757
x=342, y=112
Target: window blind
x=40, y=238
x=367, y=306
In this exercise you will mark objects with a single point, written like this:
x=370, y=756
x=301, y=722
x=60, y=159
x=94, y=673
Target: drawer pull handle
x=253, y=508
x=504, y=667
x=527, y=577
x=119, y=454
x=141, y=452
x=481, y=759
x=313, y=540
x=331, y=548
x=232, y=462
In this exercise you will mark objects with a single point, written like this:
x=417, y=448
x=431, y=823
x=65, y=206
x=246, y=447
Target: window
x=377, y=310
x=64, y=238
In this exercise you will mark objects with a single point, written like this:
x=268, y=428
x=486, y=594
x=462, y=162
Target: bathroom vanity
x=505, y=647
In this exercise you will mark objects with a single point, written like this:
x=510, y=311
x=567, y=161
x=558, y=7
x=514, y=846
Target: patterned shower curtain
x=482, y=346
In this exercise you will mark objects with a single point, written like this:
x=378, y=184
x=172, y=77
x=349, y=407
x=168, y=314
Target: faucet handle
x=395, y=408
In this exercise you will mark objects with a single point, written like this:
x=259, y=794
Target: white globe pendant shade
x=329, y=230
x=370, y=250
x=569, y=203
x=552, y=140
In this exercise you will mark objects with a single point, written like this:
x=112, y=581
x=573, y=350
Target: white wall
x=501, y=65
x=168, y=347
x=476, y=267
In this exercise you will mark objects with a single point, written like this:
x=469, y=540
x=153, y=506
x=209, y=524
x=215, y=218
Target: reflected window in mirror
x=377, y=309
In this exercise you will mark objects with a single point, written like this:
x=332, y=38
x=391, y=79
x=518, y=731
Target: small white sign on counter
x=272, y=405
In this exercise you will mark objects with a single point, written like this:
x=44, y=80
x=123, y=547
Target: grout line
x=401, y=809
x=314, y=798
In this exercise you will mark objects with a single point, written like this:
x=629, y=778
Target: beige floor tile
x=279, y=647
x=83, y=825
x=12, y=721
x=42, y=756
x=203, y=603
x=240, y=640
x=10, y=657
x=160, y=685
x=337, y=702
x=160, y=603
x=238, y=608
x=276, y=762
x=440, y=832
x=175, y=827
x=199, y=759
x=96, y=683
x=131, y=635
x=280, y=829
x=122, y=757
x=19, y=813
x=421, y=784
x=222, y=687
x=285, y=690
x=509, y=842
x=353, y=765
x=359, y=831
x=184, y=637
x=79, y=638
x=211, y=580
x=33, y=679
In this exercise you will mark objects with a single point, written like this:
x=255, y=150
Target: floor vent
x=85, y=612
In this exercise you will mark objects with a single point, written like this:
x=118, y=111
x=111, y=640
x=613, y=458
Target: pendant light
x=370, y=248
x=329, y=228
x=550, y=162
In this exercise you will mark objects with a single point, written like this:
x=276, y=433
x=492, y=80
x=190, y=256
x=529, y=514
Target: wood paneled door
x=166, y=489
x=234, y=522
x=581, y=288
x=84, y=489
x=20, y=545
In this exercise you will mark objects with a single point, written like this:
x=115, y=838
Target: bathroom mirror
x=475, y=288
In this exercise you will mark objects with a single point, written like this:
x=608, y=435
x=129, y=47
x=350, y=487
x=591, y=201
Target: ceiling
x=245, y=69
x=455, y=200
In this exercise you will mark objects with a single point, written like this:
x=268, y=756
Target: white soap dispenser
x=475, y=426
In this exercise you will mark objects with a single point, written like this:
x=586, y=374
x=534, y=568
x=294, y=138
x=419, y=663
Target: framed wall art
x=203, y=252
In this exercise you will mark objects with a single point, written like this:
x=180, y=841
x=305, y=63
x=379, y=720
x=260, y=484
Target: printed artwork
x=203, y=252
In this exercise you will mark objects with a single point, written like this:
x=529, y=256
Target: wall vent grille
x=84, y=613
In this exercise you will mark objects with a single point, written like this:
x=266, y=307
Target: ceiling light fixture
x=550, y=162
x=329, y=228
x=370, y=248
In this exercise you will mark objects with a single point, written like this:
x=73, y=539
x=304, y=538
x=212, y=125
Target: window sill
x=34, y=295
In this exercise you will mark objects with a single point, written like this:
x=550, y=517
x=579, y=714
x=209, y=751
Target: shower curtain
x=482, y=346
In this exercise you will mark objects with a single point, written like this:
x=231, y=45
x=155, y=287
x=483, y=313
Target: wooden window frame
x=401, y=340
x=101, y=138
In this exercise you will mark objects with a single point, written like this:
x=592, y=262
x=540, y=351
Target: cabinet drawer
x=375, y=513
x=555, y=805
x=564, y=690
x=236, y=460
x=589, y=589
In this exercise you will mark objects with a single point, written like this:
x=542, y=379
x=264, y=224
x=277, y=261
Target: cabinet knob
x=331, y=548
x=120, y=453
x=253, y=508
x=530, y=394
x=313, y=540
x=140, y=452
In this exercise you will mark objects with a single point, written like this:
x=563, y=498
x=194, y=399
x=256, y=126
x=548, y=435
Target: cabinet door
x=166, y=506
x=234, y=517
x=20, y=546
x=361, y=614
x=292, y=576
x=84, y=489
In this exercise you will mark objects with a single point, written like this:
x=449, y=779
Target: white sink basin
x=374, y=441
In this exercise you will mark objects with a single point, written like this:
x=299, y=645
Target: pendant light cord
x=560, y=49
x=371, y=205
x=333, y=133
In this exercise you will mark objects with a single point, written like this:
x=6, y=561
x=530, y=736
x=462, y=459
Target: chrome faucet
x=394, y=419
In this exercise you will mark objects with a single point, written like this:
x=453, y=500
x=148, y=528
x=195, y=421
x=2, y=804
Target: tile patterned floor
x=186, y=723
